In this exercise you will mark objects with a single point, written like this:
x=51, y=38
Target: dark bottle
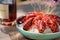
x=7, y=11
x=12, y=11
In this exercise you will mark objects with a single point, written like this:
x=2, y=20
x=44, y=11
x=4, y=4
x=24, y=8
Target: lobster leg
x=40, y=25
x=51, y=21
x=27, y=24
x=53, y=27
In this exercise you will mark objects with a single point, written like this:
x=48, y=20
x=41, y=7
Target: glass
x=7, y=11
x=7, y=14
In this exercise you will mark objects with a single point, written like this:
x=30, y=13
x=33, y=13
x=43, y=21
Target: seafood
x=41, y=21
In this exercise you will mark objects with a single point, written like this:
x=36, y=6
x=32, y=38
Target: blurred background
x=25, y=6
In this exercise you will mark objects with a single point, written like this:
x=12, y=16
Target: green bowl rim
x=37, y=33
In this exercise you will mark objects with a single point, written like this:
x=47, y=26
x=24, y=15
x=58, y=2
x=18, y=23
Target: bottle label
x=4, y=11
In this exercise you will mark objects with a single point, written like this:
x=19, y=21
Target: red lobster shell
x=41, y=21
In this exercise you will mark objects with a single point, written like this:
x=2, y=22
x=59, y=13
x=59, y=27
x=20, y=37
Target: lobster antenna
x=36, y=5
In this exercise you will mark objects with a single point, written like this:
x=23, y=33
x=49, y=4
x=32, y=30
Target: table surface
x=3, y=36
x=12, y=34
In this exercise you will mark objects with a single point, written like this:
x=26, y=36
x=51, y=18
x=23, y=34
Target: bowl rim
x=20, y=28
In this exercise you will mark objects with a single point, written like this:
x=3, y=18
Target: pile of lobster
x=41, y=21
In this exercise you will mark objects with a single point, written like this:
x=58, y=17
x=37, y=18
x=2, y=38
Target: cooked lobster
x=41, y=21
